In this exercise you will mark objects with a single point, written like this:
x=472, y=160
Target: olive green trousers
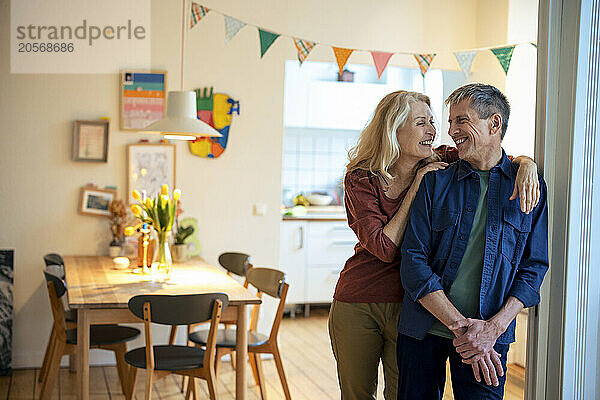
x=362, y=334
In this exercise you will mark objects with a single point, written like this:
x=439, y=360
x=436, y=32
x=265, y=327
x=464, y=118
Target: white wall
x=40, y=185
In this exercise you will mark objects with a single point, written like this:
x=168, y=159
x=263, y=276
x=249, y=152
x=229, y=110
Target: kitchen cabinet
x=312, y=254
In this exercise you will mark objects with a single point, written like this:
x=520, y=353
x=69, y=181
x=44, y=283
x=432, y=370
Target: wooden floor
x=307, y=358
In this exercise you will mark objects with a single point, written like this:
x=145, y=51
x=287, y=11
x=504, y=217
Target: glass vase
x=162, y=262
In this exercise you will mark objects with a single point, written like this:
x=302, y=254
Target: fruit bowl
x=319, y=199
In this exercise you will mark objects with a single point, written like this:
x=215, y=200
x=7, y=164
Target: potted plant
x=118, y=215
x=180, y=252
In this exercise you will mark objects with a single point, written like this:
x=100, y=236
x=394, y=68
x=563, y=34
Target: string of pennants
x=380, y=58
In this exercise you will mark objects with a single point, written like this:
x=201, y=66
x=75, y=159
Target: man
x=471, y=259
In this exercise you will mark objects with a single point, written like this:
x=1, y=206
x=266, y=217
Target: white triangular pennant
x=465, y=61
x=232, y=27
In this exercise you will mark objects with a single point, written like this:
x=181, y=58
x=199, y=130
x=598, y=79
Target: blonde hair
x=377, y=148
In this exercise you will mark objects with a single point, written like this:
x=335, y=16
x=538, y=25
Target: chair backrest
x=53, y=259
x=179, y=309
x=236, y=263
x=271, y=282
x=58, y=284
x=55, y=264
x=56, y=289
x=267, y=280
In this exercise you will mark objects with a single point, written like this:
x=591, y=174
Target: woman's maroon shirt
x=372, y=275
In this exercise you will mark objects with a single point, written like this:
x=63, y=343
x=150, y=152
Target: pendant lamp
x=181, y=121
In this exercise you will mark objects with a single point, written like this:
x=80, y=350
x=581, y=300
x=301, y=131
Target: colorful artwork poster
x=143, y=98
x=216, y=110
x=6, y=310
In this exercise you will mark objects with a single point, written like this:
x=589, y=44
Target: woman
x=393, y=154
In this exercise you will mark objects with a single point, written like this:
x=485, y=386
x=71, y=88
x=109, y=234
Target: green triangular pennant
x=504, y=54
x=266, y=40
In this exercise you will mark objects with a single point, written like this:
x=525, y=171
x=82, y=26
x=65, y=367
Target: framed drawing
x=90, y=141
x=94, y=201
x=149, y=166
x=143, y=98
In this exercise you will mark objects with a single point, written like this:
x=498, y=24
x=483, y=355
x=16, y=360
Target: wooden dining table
x=100, y=292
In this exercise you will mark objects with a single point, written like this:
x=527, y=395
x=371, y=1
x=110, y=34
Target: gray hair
x=486, y=100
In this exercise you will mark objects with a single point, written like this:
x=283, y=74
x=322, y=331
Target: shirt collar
x=465, y=169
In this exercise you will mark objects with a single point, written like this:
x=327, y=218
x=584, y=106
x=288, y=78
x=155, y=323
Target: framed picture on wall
x=94, y=201
x=143, y=98
x=149, y=166
x=90, y=141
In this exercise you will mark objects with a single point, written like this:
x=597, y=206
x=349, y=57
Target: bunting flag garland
x=198, y=12
x=380, y=59
x=266, y=40
x=304, y=47
x=465, y=61
x=504, y=54
x=232, y=27
x=424, y=61
x=341, y=55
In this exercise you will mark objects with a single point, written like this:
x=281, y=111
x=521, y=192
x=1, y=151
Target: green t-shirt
x=464, y=292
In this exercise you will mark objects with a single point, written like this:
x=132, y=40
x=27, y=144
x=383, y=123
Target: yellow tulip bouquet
x=158, y=212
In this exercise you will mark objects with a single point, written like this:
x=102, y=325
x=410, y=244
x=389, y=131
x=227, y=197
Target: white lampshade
x=181, y=121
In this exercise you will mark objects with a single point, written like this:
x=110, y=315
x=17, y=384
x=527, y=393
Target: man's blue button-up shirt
x=516, y=244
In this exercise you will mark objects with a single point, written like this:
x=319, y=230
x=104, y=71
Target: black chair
x=190, y=361
x=271, y=282
x=64, y=340
x=237, y=264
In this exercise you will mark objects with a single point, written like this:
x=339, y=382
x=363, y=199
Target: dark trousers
x=422, y=371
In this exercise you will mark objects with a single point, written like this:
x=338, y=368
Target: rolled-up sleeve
x=534, y=262
x=366, y=218
x=417, y=276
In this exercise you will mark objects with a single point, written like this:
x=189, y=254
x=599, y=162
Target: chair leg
x=47, y=355
x=120, y=351
x=131, y=382
x=73, y=363
x=232, y=356
x=184, y=379
x=218, y=355
x=211, y=382
x=253, y=367
x=149, y=376
x=172, y=334
x=52, y=371
x=279, y=364
x=188, y=392
x=262, y=384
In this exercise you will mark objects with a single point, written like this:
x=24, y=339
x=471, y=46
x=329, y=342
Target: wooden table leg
x=241, y=351
x=83, y=354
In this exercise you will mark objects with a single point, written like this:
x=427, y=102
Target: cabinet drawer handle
x=300, y=237
x=343, y=243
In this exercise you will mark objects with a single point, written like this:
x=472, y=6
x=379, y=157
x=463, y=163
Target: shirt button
x=469, y=209
x=461, y=237
x=453, y=264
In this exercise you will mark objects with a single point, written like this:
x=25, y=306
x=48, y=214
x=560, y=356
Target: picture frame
x=149, y=166
x=90, y=141
x=95, y=202
x=143, y=98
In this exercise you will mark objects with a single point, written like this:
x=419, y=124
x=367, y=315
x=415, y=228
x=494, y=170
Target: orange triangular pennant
x=380, y=59
x=424, y=61
x=341, y=55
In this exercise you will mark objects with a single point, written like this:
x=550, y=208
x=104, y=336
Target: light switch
x=260, y=209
